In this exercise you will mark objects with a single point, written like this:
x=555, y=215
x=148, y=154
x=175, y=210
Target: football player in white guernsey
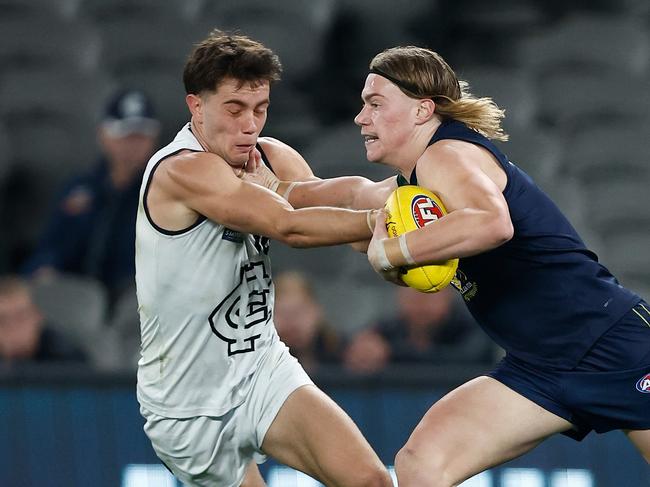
x=218, y=389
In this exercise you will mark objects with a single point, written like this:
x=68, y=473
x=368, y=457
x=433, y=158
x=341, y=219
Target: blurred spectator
x=300, y=322
x=24, y=335
x=426, y=329
x=91, y=230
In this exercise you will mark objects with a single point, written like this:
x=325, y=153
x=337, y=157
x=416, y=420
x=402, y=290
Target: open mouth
x=369, y=139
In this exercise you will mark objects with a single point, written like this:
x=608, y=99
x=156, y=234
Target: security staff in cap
x=91, y=228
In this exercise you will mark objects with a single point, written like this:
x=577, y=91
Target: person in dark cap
x=91, y=229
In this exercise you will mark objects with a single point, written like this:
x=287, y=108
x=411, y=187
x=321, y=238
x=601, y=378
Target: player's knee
x=415, y=469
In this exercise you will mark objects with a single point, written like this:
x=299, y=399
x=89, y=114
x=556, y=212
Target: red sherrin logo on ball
x=424, y=210
x=644, y=384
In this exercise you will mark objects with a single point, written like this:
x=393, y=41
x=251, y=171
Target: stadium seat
x=29, y=94
x=124, y=325
x=511, y=89
x=299, y=44
x=535, y=150
x=339, y=151
x=77, y=307
x=6, y=159
x=291, y=117
x=29, y=43
x=64, y=146
x=321, y=262
x=125, y=10
x=506, y=15
x=606, y=42
x=137, y=44
x=351, y=305
x=608, y=152
x=38, y=9
x=618, y=205
x=572, y=99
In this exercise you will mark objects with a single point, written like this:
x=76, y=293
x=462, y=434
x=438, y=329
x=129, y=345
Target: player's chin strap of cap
x=411, y=88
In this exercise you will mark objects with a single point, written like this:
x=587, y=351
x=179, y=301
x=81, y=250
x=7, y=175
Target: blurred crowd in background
x=89, y=89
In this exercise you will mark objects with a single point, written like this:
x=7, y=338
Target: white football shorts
x=216, y=450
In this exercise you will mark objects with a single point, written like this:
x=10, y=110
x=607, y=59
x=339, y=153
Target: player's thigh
x=313, y=434
x=641, y=439
x=478, y=425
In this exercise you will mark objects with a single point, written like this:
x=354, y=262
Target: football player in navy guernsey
x=577, y=343
x=218, y=389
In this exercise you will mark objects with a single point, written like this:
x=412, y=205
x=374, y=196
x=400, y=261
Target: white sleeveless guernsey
x=205, y=299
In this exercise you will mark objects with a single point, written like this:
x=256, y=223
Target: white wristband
x=288, y=190
x=369, y=220
x=274, y=185
x=382, y=258
x=405, y=250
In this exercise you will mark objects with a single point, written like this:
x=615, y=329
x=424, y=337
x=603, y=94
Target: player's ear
x=195, y=105
x=425, y=111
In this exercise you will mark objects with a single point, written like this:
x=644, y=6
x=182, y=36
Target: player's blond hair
x=422, y=73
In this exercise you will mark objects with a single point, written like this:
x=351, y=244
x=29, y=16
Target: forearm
x=313, y=227
x=462, y=233
x=340, y=192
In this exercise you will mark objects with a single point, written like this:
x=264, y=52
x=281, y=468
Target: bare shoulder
x=458, y=159
x=450, y=152
x=192, y=171
x=286, y=162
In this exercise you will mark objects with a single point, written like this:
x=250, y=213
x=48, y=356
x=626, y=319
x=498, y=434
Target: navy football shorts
x=609, y=389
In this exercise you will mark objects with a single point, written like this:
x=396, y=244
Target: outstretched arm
x=204, y=184
x=293, y=179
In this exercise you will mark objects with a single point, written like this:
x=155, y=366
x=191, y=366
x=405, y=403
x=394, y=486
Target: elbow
x=297, y=241
x=287, y=232
x=500, y=231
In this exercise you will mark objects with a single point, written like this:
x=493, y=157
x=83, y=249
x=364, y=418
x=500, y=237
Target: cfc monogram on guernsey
x=245, y=309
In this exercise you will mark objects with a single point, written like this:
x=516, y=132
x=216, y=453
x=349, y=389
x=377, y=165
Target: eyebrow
x=370, y=95
x=244, y=105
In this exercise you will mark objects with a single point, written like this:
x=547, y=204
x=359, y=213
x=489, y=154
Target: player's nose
x=361, y=118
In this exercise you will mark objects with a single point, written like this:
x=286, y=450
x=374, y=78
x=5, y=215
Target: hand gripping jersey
x=205, y=299
x=542, y=296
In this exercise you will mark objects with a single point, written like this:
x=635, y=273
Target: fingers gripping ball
x=409, y=208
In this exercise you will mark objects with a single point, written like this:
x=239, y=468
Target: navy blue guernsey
x=542, y=296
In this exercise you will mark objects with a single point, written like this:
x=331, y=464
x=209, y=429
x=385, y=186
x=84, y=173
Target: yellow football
x=409, y=208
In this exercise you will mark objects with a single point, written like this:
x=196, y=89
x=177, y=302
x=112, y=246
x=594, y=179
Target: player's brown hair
x=422, y=73
x=223, y=55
